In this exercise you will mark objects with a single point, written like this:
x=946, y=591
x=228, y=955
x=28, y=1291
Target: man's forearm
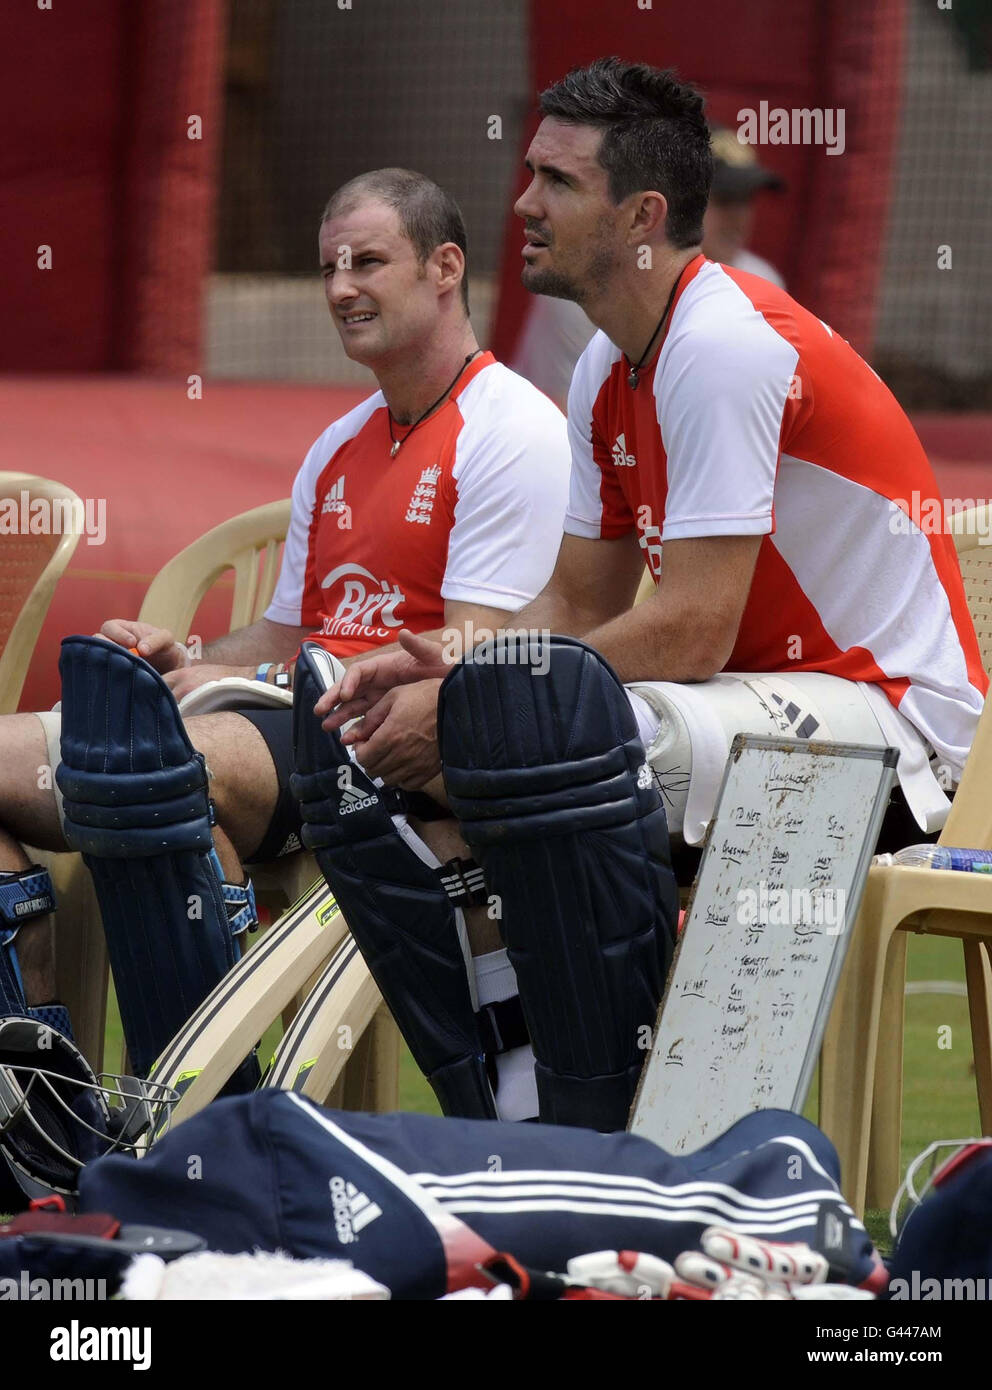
x=262, y=641
x=549, y=612
x=651, y=643
x=646, y=643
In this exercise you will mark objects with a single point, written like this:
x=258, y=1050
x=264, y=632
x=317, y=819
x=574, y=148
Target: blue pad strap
x=395, y=905
x=546, y=773
x=24, y=894
x=242, y=912
x=136, y=806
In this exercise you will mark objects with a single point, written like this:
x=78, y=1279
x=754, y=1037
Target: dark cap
x=736, y=171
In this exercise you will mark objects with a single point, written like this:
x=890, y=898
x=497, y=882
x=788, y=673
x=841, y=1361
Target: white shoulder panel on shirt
x=720, y=389
x=591, y=370
x=501, y=408
x=719, y=342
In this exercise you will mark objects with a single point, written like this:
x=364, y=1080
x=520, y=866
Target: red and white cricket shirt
x=470, y=509
x=755, y=418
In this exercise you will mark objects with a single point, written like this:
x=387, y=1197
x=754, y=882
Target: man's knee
x=244, y=782
x=30, y=809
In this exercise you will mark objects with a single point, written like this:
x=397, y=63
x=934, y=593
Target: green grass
x=939, y=1083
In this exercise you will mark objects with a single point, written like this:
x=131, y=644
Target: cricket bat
x=322, y=1036
x=237, y=1012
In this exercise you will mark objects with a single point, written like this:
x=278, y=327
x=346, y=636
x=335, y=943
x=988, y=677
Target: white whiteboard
x=765, y=935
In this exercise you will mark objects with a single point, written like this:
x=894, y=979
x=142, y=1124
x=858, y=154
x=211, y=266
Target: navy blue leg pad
x=24, y=894
x=137, y=807
x=546, y=773
x=395, y=906
x=11, y=991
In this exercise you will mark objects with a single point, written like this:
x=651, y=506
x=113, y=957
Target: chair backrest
x=970, y=819
x=248, y=544
x=30, y=567
x=973, y=542
x=646, y=587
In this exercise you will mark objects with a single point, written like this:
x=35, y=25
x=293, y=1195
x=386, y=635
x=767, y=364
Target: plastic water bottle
x=944, y=857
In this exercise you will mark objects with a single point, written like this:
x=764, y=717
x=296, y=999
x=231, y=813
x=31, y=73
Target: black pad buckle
x=502, y=1026
x=463, y=882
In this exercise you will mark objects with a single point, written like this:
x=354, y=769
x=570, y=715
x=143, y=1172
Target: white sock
x=495, y=978
x=517, y=1096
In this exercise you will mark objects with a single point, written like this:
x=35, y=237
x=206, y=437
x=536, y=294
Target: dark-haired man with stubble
x=435, y=504
x=714, y=417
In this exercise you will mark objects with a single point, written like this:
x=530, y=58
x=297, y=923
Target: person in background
x=737, y=180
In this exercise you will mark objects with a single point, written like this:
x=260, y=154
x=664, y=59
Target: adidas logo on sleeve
x=621, y=459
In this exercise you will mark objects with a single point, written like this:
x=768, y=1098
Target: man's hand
x=183, y=681
x=367, y=680
x=156, y=644
x=397, y=741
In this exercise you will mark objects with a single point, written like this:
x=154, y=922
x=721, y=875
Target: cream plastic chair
x=975, y=556
x=30, y=568
x=249, y=545
x=861, y=1083
x=645, y=589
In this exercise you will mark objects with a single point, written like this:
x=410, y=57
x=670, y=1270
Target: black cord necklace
x=446, y=392
x=632, y=377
